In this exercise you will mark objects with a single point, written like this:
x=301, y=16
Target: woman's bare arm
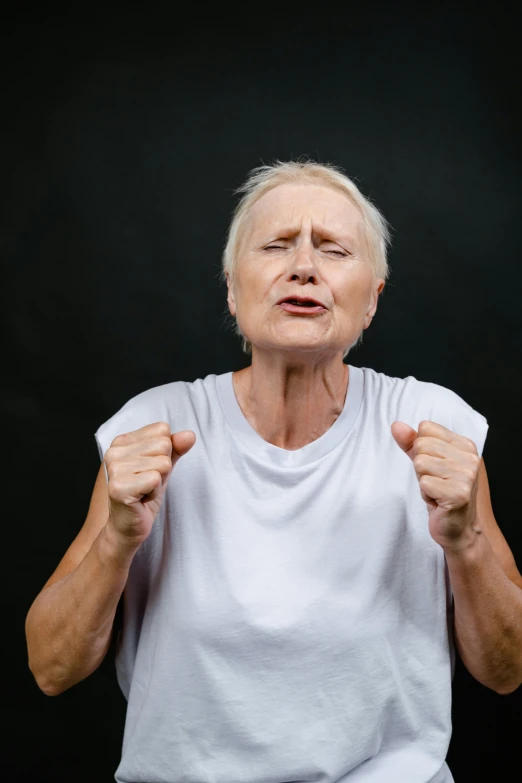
x=69, y=625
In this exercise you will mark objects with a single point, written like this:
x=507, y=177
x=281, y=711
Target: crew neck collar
x=257, y=445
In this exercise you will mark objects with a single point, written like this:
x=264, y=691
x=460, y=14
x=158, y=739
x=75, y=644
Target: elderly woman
x=300, y=545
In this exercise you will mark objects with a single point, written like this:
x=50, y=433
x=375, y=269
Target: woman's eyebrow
x=289, y=232
x=334, y=235
x=281, y=231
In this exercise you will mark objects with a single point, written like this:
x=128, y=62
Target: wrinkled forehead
x=292, y=207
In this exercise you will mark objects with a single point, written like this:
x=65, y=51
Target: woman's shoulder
x=167, y=394
x=412, y=400
x=154, y=396
x=175, y=402
x=411, y=387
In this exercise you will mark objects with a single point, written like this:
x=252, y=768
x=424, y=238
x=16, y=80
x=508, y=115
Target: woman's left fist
x=447, y=468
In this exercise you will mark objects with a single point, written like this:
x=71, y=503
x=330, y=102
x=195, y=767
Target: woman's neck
x=291, y=407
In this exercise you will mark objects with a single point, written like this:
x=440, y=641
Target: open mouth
x=293, y=306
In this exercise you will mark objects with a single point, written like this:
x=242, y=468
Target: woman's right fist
x=139, y=465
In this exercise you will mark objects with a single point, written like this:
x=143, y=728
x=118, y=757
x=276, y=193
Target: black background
x=124, y=133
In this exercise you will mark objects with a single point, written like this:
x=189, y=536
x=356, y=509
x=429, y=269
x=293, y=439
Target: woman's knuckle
x=119, y=439
x=114, y=467
x=164, y=445
x=115, y=488
x=162, y=428
x=165, y=463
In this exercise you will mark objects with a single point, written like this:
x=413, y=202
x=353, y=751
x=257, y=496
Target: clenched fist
x=139, y=465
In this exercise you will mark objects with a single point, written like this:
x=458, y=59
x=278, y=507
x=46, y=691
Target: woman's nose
x=304, y=249
x=304, y=257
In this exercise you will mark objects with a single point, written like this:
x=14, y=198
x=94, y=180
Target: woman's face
x=305, y=240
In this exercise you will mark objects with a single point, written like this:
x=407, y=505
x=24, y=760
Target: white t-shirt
x=289, y=618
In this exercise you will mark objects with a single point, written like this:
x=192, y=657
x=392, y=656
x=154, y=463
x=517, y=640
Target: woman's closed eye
x=334, y=250
x=326, y=250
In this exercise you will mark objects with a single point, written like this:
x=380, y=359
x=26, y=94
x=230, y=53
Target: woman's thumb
x=183, y=441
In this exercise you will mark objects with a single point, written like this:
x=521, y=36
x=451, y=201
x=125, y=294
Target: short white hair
x=262, y=179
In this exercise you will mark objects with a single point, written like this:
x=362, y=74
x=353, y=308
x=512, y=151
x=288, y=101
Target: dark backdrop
x=124, y=134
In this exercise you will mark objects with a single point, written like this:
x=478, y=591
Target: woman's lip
x=301, y=310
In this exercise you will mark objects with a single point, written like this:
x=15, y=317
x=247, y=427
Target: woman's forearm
x=68, y=627
x=488, y=615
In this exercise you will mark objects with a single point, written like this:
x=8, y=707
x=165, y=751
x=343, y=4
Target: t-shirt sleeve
x=457, y=415
x=110, y=429
x=161, y=403
x=136, y=413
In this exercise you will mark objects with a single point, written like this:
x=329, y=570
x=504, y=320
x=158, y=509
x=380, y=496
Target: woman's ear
x=230, y=296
